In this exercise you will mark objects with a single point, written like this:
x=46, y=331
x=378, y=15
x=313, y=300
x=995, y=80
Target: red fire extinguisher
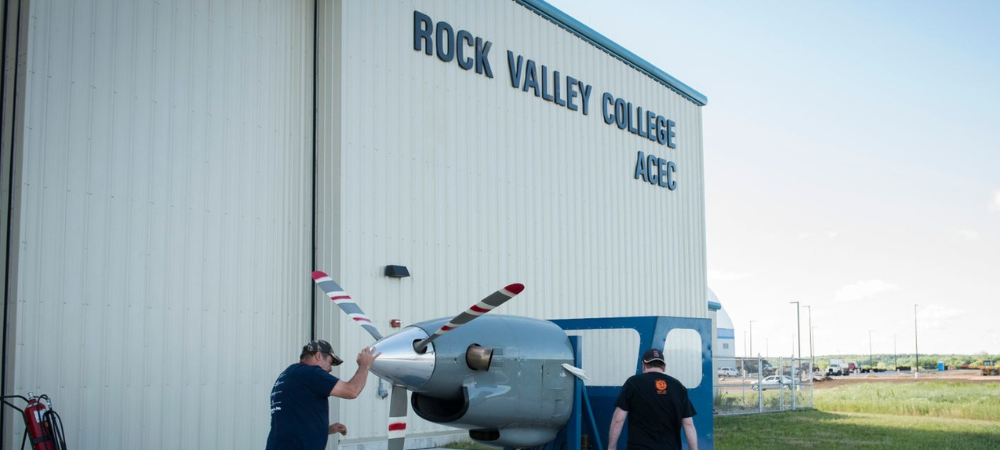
x=38, y=428
x=41, y=424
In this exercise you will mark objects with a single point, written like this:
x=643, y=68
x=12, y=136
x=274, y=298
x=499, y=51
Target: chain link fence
x=758, y=385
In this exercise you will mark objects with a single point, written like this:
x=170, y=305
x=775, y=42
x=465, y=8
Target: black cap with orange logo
x=653, y=354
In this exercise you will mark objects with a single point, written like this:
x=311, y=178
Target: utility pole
x=895, y=355
x=798, y=325
x=871, y=360
x=916, y=348
x=751, y=338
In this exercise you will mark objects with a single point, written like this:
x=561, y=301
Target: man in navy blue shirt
x=657, y=407
x=299, y=408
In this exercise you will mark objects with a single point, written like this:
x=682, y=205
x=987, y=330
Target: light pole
x=798, y=327
x=751, y=338
x=916, y=348
x=895, y=355
x=871, y=360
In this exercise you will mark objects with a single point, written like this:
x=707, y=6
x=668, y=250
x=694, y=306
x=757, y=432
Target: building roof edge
x=600, y=41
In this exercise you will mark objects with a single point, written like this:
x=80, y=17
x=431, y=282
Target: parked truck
x=837, y=367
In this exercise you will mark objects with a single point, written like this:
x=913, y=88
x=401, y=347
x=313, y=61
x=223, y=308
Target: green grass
x=468, y=445
x=904, y=416
x=820, y=430
x=979, y=401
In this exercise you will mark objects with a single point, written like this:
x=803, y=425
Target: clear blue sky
x=852, y=154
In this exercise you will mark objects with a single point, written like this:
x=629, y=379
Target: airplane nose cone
x=400, y=363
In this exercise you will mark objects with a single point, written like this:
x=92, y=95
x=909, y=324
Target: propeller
x=397, y=403
x=397, y=418
x=346, y=304
x=486, y=305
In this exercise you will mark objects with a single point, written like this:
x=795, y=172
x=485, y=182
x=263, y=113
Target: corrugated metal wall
x=165, y=235
x=604, y=367
x=473, y=184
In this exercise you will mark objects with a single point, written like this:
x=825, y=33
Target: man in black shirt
x=299, y=408
x=657, y=407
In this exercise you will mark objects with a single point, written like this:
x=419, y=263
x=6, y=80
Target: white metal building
x=727, y=339
x=174, y=170
x=724, y=333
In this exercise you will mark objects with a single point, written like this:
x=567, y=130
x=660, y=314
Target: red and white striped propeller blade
x=344, y=301
x=397, y=418
x=495, y=299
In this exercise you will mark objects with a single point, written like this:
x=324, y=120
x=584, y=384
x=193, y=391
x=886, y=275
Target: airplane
x=507, y=380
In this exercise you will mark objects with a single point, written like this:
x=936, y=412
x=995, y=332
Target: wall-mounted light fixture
x=396, y=271
x=395, y=323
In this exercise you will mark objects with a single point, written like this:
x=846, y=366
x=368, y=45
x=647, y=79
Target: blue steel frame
x=581, y=421
x=599, y=401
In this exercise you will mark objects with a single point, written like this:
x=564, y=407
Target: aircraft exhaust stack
x=478, y=358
